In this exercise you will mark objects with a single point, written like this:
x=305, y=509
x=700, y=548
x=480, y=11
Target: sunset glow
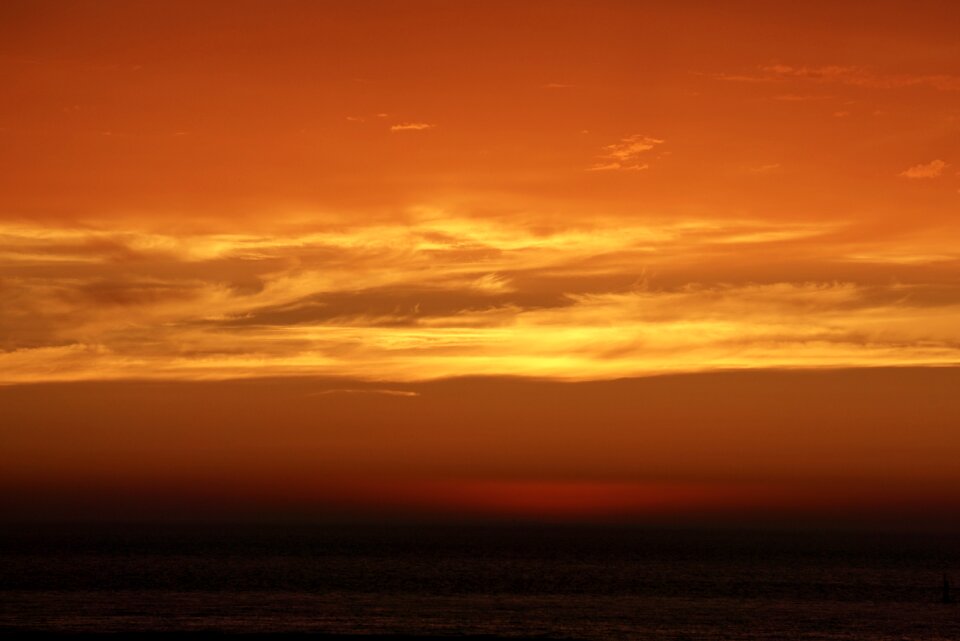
x=383, y=196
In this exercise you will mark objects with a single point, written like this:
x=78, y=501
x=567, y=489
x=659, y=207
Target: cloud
x=824, y=72
x=625, y=155
x=411, y=126
x=492, y=284
x=598, y=336
x=384, y=392
x=438, y=294
x=932, y=169
x=614, y=166
x=852, y=75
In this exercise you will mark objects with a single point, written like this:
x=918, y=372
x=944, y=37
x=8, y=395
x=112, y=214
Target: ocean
x=500, y=580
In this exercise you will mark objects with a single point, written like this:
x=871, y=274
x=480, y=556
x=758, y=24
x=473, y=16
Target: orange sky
x=390, y=195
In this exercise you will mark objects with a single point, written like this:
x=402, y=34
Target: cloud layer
x=440, y=294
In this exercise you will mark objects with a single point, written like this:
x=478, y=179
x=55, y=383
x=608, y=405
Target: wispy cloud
x=625, y=155
x=857, y=76
x=439, y=294
x=371, y=390
x=411, y=126
x=932, y=169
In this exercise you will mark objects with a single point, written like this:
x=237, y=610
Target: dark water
x=556, y=581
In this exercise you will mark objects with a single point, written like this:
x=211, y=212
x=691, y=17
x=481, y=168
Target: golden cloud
x=450, y=295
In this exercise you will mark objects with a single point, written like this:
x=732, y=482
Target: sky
x=523, y=258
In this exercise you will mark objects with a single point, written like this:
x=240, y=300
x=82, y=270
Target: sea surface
x=504, y=580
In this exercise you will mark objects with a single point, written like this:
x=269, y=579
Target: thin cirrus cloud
x=626, y=155
x=383, y=391
x=412, y=126
x=932, y=169
x=444, y=294
x=851, y=75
